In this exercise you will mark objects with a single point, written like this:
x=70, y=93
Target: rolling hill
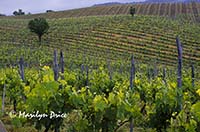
x=97, y=83
x=172, y=10
x=108, y=32
x=170, y=1
x=150, y=38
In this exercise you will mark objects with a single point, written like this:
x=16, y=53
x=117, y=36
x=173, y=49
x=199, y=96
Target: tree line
x=20, y=12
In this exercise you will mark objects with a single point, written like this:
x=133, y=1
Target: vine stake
x=132, y=78
x=193, y=77
x=179, y=79
x=55, y=66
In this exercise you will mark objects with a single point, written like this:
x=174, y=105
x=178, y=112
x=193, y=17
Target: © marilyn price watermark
x=38, y=115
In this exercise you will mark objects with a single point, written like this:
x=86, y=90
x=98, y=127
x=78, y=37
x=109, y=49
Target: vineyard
x=99, y=100
x=113, y=73
x=151, y=39
x=189, y=11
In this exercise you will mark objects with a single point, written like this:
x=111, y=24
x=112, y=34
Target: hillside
x=173, y=10
x=172, y=1
x=150, y=39
x=100, y=70
x=148, y=1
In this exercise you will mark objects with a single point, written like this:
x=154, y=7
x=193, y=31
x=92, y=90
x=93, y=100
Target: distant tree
x=18, y=13
x=132, y=11
x=39, y=26
x=49, y=11
x=2, y=14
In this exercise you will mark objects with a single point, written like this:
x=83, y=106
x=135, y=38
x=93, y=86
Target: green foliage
x=104, y=105
x=119, y=35
x=18, y=122
x=196, y=111
x=14, y=86
x=39, y=26
x=18, y=13
x=132, y=11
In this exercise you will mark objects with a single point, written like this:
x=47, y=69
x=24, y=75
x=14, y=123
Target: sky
x=37, y=6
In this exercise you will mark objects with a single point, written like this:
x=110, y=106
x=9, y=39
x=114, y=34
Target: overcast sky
x=35, y=6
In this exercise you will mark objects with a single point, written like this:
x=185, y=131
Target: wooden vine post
x=193, y=77
x=62, y=64
x=164, y=76
x=55, y=66
x=2, y=127
x=56, y=76
x=179, y=79
x=3, y=98
x=87, y=75
x=155, y=70
x=132, y=78
x=21, y=72
x=109, y=69
x=132, y=75
x=82, y=69
x=21, y=68
x=149, y=74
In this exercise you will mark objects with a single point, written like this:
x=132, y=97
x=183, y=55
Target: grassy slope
x=149, y=38
x=173, y=10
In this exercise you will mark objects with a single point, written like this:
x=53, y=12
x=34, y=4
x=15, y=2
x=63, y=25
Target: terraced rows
x=187, y=10
x=114, y=38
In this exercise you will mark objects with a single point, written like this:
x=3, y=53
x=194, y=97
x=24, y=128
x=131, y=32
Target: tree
x=2, y=14
x=47, y=11
x=39, y=26
x=132, y=11
x=18, y=13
